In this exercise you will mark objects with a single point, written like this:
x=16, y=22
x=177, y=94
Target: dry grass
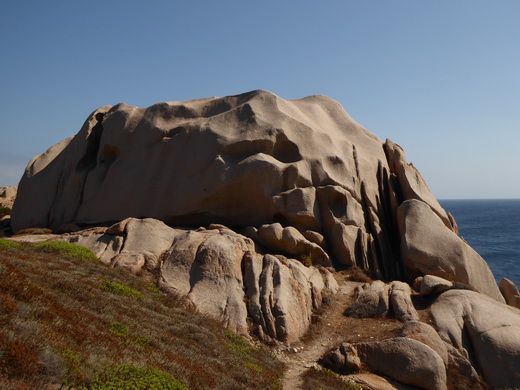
x=61, y=322
x=324, y=379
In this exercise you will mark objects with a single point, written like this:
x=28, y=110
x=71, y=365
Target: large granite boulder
x=244, y=160
x=486, y=330
x=429, y=247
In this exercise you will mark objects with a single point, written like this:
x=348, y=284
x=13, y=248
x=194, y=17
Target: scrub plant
x=66, y=249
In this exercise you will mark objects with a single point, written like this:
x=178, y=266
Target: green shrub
x=121, y=330
x=4, y=211
x=135, y=378
x=6, y=244
x=120, y=289
x=306, y=260
x=72, y=362
x=240, y=346
x=66, y=249
x=252, y=367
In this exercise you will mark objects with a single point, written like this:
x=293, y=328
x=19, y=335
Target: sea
x=492, y=228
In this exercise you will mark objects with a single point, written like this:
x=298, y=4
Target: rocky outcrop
x=303, y=184
x=289, y=241
x=248, y=160
x=487, y=331
x=219, y=272
x=429, y=247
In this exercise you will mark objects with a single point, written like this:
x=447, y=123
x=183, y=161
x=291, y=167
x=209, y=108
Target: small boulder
x=510, y=292
x=343, y=360
x=372, y=301
x=432, y=285
x=406, y=360
x=400, y=299
x=289, y=241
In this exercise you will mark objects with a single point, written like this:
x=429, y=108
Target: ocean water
x=492, y=228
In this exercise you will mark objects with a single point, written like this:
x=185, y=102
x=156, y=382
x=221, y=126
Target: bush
x=66, y=249
x=4, y=211
x=6, y=244
x=120, y=289
x=306, y=260
x=324, y=379
x=122, y=331
x=135, y=378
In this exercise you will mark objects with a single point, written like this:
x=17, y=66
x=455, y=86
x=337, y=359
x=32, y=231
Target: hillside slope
x=69, y=321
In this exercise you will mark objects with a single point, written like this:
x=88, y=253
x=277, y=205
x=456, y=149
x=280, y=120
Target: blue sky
x=441, y=78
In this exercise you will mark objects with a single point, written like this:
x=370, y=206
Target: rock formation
x=219, y=272
x=245, y=160
x=247, y=204
x=487, y=331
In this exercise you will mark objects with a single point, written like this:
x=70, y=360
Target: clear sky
x=441, y=78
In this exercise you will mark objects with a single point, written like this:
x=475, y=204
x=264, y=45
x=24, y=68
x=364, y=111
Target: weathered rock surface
x=403, y=359
x=244, y=160
x=299, y=178
x=377, y=299
x=7, y=196
x=429, y=247
x=372, y=301
x=427, y=335
x=461, y=373
x=218, y=271
x=488, y=332
x=401, y=302
x=430, y=285
x=406, y=360
x=510, y=292
x=289, y=241
x=132, y=244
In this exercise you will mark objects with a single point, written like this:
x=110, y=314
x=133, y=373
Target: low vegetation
x=69, y=322
x=4, y=211
x=66, y=249
x=6, y=244
x=324, y=379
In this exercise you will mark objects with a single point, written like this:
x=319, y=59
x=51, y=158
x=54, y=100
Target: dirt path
x=332, y=329
x=328, y=332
